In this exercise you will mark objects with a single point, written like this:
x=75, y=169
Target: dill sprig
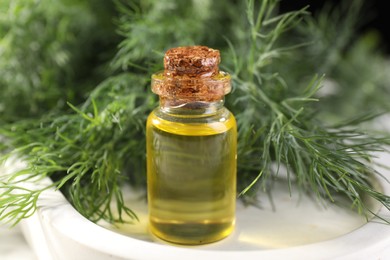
x=278, y=128
x=88, y=154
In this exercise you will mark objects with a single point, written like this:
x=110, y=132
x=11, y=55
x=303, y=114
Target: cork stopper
x=192, y=61
x=191, y=74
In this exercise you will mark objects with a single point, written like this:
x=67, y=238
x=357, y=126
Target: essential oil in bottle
x=191, y=150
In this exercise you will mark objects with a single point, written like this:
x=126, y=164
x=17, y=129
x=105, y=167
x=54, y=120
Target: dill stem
x=255, y=28
x=272, y=104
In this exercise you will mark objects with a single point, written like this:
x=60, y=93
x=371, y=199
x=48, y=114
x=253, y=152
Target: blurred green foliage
x=52, y=51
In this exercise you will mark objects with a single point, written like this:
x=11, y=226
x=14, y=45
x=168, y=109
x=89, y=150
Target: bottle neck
x=194, y=108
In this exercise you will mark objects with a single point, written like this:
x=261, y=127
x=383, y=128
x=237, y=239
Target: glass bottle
x=191, y=150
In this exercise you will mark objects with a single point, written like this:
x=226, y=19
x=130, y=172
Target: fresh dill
x=92, y=150
x=88, y=153
x=284, y=130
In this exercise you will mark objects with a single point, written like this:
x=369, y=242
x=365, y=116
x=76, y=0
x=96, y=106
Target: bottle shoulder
x=216, y=123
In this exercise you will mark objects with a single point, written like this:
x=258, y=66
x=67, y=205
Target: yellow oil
x=191, y=178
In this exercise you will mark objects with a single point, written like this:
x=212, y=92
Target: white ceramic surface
x=13, y=245
x=297, y=228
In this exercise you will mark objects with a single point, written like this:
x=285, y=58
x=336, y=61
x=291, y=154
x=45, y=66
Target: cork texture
x=192, y=61
x=191, y=74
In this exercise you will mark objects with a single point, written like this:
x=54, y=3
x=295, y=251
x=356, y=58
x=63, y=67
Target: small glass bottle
x=191, y=150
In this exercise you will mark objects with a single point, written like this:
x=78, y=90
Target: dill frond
x=279, y=126
x=88, y=154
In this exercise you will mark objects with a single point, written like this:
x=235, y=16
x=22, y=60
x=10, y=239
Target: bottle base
x=191, y=233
